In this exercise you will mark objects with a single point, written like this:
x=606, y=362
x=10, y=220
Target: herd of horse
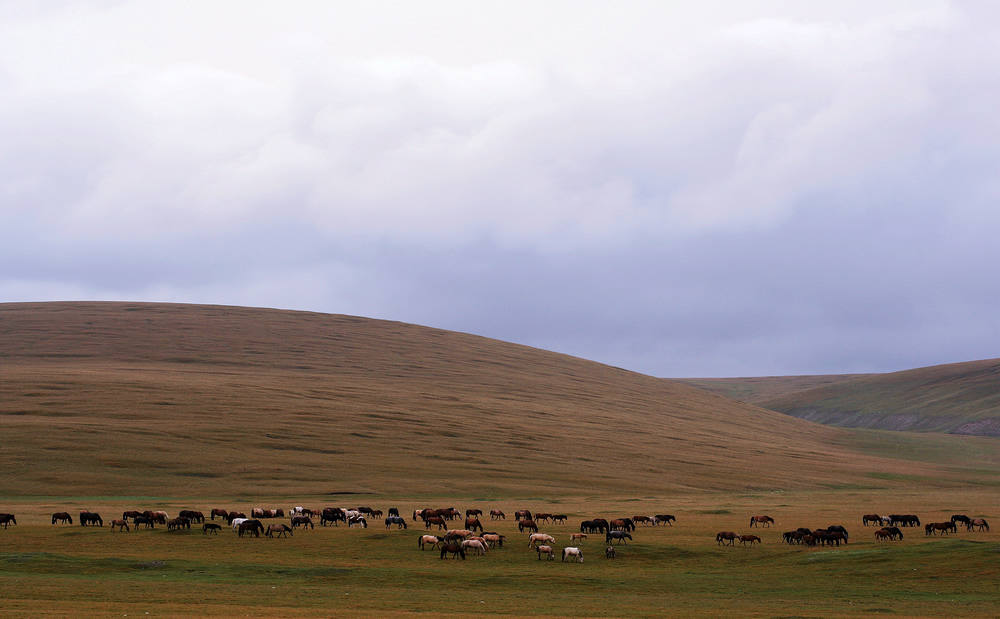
x=473, y=538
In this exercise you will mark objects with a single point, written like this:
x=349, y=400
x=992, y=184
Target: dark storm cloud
x=743, y=189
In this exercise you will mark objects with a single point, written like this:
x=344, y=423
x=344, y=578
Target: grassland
x=113, y=406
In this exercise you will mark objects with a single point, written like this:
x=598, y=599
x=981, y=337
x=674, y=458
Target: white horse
x=572, y=551
x=547, y=551
x=237, y=522
x=474, y=544
x=538, y=538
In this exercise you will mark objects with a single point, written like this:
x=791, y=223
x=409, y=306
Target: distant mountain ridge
x=957, y=398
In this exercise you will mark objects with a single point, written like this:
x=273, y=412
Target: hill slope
x=759, y=389
x=157, y=399
x=961, y=398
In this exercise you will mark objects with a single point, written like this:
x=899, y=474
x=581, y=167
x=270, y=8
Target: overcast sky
x=677, y=188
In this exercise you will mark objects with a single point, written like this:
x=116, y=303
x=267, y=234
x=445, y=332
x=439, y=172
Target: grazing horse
x=874, y=519
x=474, y=544
x=254, y=527
x=609, y=552
x=148, y=522
x=764, y=521
x=473, y=523
x=547, y=551
x=121, y=524
x=178, y=524
x=598, y=525
x=280, y=529
x=233, y=516
x=87, y=518
x=745, y=539
x=431, y=540
x=645, y=520
x=887, y=534
x=438, y=520
x=302, y=521
x=836, y=528
x=394, y=511
x=357, y=520
x=210, y=526
x=559, y=518
x=494, y=539
x=473, y=512
x=961, y=518
x=904, y=520
x=667, y=518
x=726, y=536
x=133, y=514
x=572, y=552
x=537, y=538
x=396, y=520
x=621, y=536
x=622, y=524
x=944, y=527
x=332, y=514
x=522, y=514
x=542, y=517
x=220, y=512
x=453, y=548
x=63, y=517
x=577, y=536
x=979, y=524
x=8, y=519
x=527, y=524
x=451, y=534
x=496, y=514
x=192, y=515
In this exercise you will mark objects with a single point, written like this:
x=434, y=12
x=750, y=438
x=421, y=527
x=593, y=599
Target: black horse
x=616, y=535
x=87, y=518
x=395, y=520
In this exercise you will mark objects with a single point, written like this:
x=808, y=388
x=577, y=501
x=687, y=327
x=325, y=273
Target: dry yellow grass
x=164, y=400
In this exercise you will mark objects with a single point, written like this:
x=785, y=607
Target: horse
x=527, y=524
x=572, y=552
x=453, y=548
x=559, y=518
x=874, y=519
x=536, y=538
x=394, y=511
x=577, y=536
x=944, y=527
x=494, y=539
x=144, y=521
x=474, y=544
x=665, y=518
x=883, y=535
x=645, y=520
x=210, y=526
x=473, y=512
x=376, y=513
x=542, y=517
x=399, y=522
x=473, y=524
x=233, y=516
x=523, y=514
x=829, y=538
x=961, y=518
x=459, y=534
x=836, y=528
x=280, y=529
x=725, y=536
x=220, y=512
x=791, y=537
x=598, y=525
x=904, y=520
x=302, y=521
x=622, y=524
x=547, y=551
x=254, y=527
x=438, y=520
x=193, y=516
x=133, y=514
x=87, y=518
x=894, y=532
x=432, y=540
x=609, y=552
x=332, y=514
x=745, y=539
x=178, y=524
x=764, y=521
x=357, y=520
x=621, y=536
x=63, y=517
x=979, y=524
x=496, y=514
x=7, y=519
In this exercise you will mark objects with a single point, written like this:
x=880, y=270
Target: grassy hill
x=960, y=398
x=130, y=399
x=759, y=389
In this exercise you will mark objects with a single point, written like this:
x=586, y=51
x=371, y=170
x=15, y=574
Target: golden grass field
x=108, y=406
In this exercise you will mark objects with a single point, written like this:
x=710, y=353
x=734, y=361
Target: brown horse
x=89, y=518
x=725, y=536
x=176, y=524
x=210, y=526
x=429, y=540
x=549, y=553
x=120, y=524
x=979, y=524
x=522, y=514
x=527, y=524
x=473, y=512
x=253, y=527
x=192, y=515
x=218, y=511
x=473, y=523
x=645, y=520
x=496, y=514
x=438, y=520
x=764, y=521
x=883, y=535
x=945, y=527
x=453, y=548
x=280, y=529
x=749, y=539
x=665, y=518
x=874, y=519
x=559, y=518
x=302, y=521
x=542, y=517
x=62, y=517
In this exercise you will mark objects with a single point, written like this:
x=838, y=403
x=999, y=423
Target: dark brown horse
x=7, y=519
x=522, y=514
x=764, y=521
x=559, y=518
x=496, y=514
x=527, y=524
x=119, y=524
x=88, y=518
x=192, y=515
x=473, y=512
x=62, y=517
x=874, y=519
x=453, y=548
x=667, y=518
x=722, y=537
x=944, y=527
x=302, y=521
x=438, y=520
x=218, y=511
x=133, y=514
x=473, y=523
x=979, y=524
x=253, y=527
x=210, y=527
x=749, y=539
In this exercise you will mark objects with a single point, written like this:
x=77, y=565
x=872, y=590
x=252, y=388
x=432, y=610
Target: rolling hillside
x=158, y=399
x=960, y=398
x=759, y=389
